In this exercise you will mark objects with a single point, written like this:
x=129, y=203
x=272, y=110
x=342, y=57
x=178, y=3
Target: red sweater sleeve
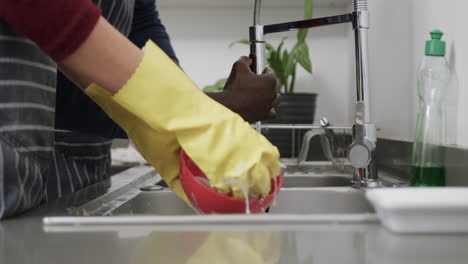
x=58, y=27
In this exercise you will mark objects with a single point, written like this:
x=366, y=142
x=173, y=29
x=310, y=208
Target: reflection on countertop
x=25, y=241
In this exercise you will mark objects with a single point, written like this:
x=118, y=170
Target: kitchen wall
x=449, y=16
x=201, y=35
x=399, y=31
x=391, y=67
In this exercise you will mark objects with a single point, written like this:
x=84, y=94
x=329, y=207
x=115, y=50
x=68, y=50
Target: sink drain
x=151, y=188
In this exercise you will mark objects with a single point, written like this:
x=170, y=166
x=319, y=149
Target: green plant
x=216, y=87
x=283, y=61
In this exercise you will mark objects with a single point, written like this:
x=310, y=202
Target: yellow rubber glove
x=161, y=109
x=160, y=149
x=204, y=247
x=239, y=247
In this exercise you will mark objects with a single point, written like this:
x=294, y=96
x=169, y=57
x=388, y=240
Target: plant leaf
x=308, y=14
x=302, y=35
x=221, y=83
x=217, y=87
x=292, y=83
x=302, y=56
x=308, y=9
x=210, y=89
x=280, y=46
x=275, y=63
x=289, y=61
x=242, y=41
x=269, y=47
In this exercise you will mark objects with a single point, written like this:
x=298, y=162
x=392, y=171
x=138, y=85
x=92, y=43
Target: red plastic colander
x=208, y=201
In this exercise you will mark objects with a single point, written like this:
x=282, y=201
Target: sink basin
x=290, y=201
x=163, y=202
x=298, y=176
x=307, y=180
x=307, y=189
x=302, y=176
x=342, y=200
x=298, y=181
x=317, y=169
x=136, y=201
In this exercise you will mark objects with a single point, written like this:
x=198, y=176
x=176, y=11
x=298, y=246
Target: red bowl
x=208, y=201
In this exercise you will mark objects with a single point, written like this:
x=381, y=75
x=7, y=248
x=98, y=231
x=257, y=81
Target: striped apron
x=37, y=162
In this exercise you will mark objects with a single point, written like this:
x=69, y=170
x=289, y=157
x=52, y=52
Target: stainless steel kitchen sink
x=317, y=193
x=307, y=189
x=139, y=202
x=290, y=201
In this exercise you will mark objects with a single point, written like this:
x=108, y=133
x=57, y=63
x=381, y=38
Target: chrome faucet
x=361, y=153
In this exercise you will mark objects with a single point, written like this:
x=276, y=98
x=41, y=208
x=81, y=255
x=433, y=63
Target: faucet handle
x=361, y=152
x=324, y=122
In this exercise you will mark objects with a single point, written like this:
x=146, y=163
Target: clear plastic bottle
x=434, y=76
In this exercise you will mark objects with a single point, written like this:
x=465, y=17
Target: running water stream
x=245, y=190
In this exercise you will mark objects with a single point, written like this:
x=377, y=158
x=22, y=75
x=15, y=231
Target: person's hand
x=251, y=96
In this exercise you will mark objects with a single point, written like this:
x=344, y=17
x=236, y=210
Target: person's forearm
x=222, y=98
x=106, y=58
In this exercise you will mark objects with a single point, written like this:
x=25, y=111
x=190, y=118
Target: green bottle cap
x=435, y=46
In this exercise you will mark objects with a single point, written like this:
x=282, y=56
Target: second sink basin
x=344, y=200
x=298, y=181
x=301, y=176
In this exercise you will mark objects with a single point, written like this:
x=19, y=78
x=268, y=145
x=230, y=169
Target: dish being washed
x=208, y=201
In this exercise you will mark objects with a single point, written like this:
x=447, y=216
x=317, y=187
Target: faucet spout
x=361, y=152
x=325, y=143
x=257, y=8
